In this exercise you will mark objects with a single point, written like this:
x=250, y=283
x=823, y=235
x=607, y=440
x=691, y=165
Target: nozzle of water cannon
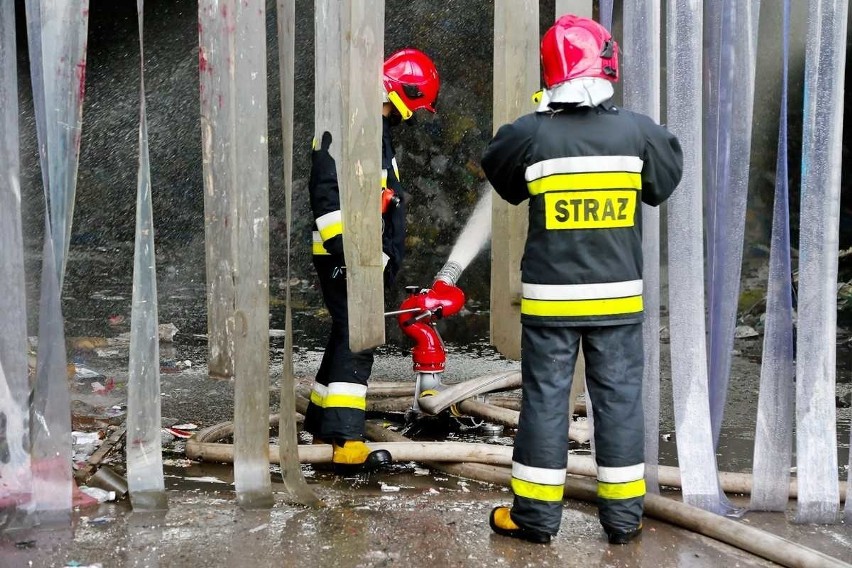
x=389, y=199
x=450, y=273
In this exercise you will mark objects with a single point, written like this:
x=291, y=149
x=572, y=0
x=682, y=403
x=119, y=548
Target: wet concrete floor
x=409, y=516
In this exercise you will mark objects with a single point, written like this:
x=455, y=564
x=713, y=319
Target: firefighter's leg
x=539, y=461
x=325, y=266
x=614, y=377
x=344, y=401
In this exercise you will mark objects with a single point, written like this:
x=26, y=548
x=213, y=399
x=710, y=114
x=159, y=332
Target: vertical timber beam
x=217, y=120
x=361, y=171
x=516, y=78
x=232, y=62
x=251, y=274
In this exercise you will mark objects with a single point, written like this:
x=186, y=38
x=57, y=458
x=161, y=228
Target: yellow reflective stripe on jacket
x=629, y=490
x=537, y=491
x=330, y=225
x=316, y=246
x=581, y=308
x=573, y=182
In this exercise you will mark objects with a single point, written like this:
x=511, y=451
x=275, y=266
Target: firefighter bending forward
x=338, y=400
x=586, y=167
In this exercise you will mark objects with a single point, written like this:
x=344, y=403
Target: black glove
x=321, y=161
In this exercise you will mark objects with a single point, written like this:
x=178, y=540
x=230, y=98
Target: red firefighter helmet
x=411, y=81
x=578, y=47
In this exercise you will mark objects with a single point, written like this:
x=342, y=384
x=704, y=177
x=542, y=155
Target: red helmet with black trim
x=578, y=47
x=411, y=81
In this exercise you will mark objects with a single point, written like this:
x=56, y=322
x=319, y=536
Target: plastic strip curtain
x=641, y=79
x=15, y=475
x=234, y=40
x=773, y=436
x=144, y=446
x=696, y=456
x=736, y=49
x=288, y=457
x=605, y=13
x=816, y=434
x=57, y=40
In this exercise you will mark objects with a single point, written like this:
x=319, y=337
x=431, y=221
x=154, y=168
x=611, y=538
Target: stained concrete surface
x=431, y=521
x=421, y=518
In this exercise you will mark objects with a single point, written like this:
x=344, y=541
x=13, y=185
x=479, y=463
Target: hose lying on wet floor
x=435, y=454
x=739, y=535
x=205, y=445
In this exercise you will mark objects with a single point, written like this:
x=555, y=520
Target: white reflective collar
x=584, y=91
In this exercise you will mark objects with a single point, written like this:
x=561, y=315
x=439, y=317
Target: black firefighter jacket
x=325, y=204
x=585, y=172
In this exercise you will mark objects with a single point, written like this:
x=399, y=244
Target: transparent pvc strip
x=15, y=474
x=738, y=54
x=696, y=456
x=773, y=435
x=640, y=71
x=50, y=410
x=605, y=13
x=822, y=147
x=57, y=39
x=288, y=457
x=711, y=69
x=144, y=447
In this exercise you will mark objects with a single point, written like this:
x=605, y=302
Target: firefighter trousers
x=614, y=365
x=339, y=395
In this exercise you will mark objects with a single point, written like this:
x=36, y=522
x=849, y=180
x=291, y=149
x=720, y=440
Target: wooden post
x=232, y=62
x=219, y=185
x=516, y=78
x=360, y=170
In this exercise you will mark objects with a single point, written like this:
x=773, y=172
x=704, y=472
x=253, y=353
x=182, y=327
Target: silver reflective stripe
x=584, y=164
x=329, y=219
x=316, y=236
x=385, y=259
x=395, y=168
x=582, y=291
x=321, y=390
x=540, y=475
x=621, y=474
x=347, y=388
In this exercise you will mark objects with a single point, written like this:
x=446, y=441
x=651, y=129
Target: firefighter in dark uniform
x=586, y=167
x=338, y=400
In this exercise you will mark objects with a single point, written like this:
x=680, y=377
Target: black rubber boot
x=623, y=537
